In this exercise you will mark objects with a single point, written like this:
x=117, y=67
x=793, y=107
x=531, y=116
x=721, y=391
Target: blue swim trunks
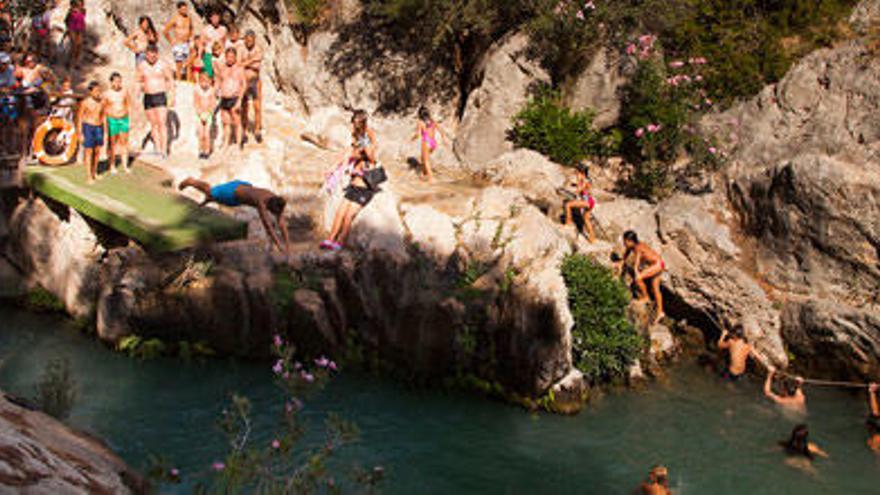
x=225, y=193
x=93, y=136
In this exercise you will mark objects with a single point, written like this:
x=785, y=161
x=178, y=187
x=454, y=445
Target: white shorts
x=180, y=52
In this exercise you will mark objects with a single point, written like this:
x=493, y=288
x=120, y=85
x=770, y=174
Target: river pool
x=716, y=438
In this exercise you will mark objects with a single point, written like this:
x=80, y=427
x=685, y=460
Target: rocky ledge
x=39, y=455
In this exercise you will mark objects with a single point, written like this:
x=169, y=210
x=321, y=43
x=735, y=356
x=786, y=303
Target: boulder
x=531, y=173
x=865, y=15
x=431, y=231
x=42, y=456
x=597, y=88
x=507, y=77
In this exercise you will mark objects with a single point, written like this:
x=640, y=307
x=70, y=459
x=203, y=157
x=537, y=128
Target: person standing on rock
x=237, y=193
x=144, y=36
x=584, y=201
x=76, y=30
x=794, y=400
x=214, y=32
x=739, y=352
x=92, y=130
x=232, y=82
x=429, y=131
x=252, y=60
x=181, y=27
x=205, y=102
x=648, y=267
x=157, y=84
x=117, y=107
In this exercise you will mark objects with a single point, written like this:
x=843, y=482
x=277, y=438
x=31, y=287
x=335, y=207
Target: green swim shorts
x=206, y=118
x=117, y=126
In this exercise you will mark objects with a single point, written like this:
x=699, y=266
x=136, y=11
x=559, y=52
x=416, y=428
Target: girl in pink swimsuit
x=427, y=130
x=76, y=28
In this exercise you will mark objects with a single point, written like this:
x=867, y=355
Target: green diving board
x=141, y=205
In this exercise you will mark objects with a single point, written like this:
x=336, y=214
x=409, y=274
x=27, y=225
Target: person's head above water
x=799, y=442
x=659, y=475
x=425, y=115
x=630, y=239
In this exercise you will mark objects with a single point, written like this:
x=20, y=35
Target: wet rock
x=507, y=77
x=570, y=394
x=40, y=455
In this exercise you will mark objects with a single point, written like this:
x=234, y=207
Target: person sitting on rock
x=738, y=350
x=648, y=267
x=873, y=419
x=658, y=482
x=584, y=200
x=237, y=193
x=794, y=399
x=358, y=194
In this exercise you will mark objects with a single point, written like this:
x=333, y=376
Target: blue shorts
x=93, y=136
x=225, y=193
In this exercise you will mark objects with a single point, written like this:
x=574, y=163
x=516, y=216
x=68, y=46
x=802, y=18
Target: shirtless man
x=651, y=273
x=794, y=401
x=738, y=349
x=252, y=59
x=33, y=75
x=92, y=129
x=232, y=83
x=658, y=482
x=237, y=193
x=157, y=84
x=182, y=28
x=214, y=32
x=117, y=107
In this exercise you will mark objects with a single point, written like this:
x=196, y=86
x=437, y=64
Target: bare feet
x=660, y=316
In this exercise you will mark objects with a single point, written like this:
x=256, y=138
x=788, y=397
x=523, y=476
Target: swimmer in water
x=658, y=482
x=794, y=399
x=800, y=450
x=738, y=350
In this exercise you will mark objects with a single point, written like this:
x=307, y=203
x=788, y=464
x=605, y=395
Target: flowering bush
x=662, y=105
x=282, y=464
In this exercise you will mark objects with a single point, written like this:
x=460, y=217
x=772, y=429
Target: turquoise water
x=715, y=438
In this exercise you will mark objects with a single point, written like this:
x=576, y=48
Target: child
x=584, y=201
x=76, y=28
x=117, y=107
x=65, y=100
x=91, y=119
x=428, y=130
x=205, y=101
x=196, y=62
x=215, y=61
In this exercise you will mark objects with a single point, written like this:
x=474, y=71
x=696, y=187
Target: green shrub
x=56, y=391
x=604, y=343
x=550, y=128
x=140, y=348
x=308, y=12
x=42, y=301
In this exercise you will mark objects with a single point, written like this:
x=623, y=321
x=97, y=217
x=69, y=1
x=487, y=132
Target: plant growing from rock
x=283, y=464
x=604, y=342
x=547, y=126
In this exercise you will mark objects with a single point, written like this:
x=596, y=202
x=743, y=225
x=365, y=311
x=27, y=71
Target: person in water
x=92, y=129
x=237, y=193
x=648, y=267
x=658, y=482
x=800, y=450
x=358, y=194
x=873, y=419
x=205, y=102
x=738, y=350
x=583, y=202
x=117, y=107
x=794, y=399
x=429, y=131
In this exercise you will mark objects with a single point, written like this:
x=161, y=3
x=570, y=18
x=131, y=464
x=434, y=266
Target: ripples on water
x=715, y=438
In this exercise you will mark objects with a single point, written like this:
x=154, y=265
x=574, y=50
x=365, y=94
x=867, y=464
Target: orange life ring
x=55, y=142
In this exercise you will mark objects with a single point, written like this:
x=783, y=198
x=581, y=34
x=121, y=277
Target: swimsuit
x=225, y=193
x=93, y=136
x=427, y=138
x=155, y=100
x=208, y=60
x=228, y=103
x=253, y=87
x=206, y=118
x=364, y=141
x=180, y=52
x=359, y=195
x=76, y=21
x=117, y=126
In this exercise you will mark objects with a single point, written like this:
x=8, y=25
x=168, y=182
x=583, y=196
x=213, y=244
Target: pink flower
x=652, y=128
x=631, y=49
x=713, y=150
x=278, y=367
x=276, y=444
x=708, y=102
x=322, y=362
x=580, y=15
x=297, y=366
x=174, y=472
x=277, y=341
x=677, y=64
x=308, y=377
x=218, y=466
x=698, y=78
x=332, y=366
x=589, y=5
x=286, y=375
x=640, y=132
